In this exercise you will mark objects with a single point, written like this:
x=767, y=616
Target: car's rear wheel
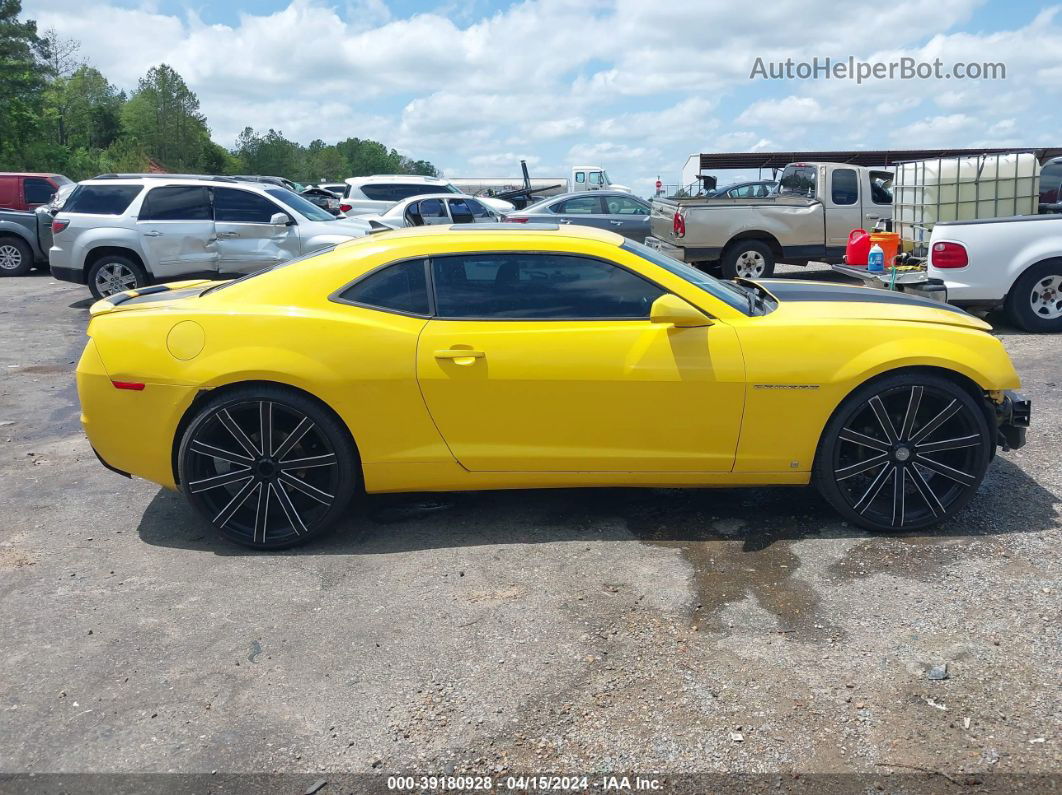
x=114, y=273
x=904, y=452
x=748, y=259
x=1035, y=300
x=16, y=258
x=268, y=467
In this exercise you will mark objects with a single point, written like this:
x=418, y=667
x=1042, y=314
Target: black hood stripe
x=785, y=290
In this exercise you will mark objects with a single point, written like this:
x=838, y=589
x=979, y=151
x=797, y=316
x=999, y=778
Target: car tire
x=903, y=452
x=16, y=257
x=1035, y=301
x=748, y=259
x=268, y=467
x=115, y=273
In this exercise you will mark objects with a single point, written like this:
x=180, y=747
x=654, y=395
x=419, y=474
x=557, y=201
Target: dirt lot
x=633, y=630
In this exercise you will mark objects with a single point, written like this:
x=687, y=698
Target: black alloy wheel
x=268, y=468
x=904, y=453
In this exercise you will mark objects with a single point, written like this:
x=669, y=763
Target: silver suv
x=122, y=231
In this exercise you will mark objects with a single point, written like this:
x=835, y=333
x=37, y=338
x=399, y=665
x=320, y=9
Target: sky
x=635, y=86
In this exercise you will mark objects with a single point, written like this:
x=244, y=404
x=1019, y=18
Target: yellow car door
x=549, y=362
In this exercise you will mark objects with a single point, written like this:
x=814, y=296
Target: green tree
x=271, y=154
x=163, y=115
x=324, y=163
x=23, y=78
x=93, y=109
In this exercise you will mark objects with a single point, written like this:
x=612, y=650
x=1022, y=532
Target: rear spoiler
x=105, y=305
x=378, y=226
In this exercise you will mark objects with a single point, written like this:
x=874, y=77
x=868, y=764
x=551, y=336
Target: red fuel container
x=858, y=249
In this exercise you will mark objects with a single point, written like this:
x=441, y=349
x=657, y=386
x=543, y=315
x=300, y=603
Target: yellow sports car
x=501, y=356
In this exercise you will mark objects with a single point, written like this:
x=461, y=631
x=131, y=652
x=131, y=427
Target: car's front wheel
x=904, y=452
x=268, y=467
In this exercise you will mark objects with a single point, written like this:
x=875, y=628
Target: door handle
x=872, y=217
x=153, y=233
x=460, y=356
x=228, y=234
x=616, y=223
x=565, y=221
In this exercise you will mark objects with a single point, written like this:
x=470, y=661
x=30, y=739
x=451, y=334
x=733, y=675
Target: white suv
x=122, y=231
x=378, y=193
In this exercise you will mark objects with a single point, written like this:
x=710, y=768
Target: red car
x=27, y=192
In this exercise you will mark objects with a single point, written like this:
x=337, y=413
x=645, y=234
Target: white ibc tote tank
x=963, y=189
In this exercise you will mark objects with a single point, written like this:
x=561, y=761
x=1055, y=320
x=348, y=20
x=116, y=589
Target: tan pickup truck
x=817, y=206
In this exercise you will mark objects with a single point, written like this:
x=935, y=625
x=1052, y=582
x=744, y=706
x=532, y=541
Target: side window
x=744, y=192
x=1051, y=183
x=379, y=193
x=101, y=199
x=401, y=287
x=583, y=205
x=580, y=177
x=177, y=203
x=845, y=188
x=539, y=286
x=621, y=205
x=37, y=191
x=478, y=210
x=595, y=177
x=880, y=187
x=460, y=212
x=242, y=207
x=431, y=208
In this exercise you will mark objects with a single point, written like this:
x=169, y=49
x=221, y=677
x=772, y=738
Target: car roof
x=412, y=179
x=30, y=174
x=577, y=194
x=220, y=182
x=498, y=232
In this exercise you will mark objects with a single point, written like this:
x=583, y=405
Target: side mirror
x=279, y=219
x=673, y=311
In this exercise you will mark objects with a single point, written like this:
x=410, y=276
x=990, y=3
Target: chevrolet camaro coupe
x=497, y=356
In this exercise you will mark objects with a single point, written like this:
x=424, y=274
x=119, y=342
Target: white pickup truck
x=1011, y=262
x=817, y=206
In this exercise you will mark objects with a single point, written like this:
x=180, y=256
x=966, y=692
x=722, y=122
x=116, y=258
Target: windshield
x=448, y=188
x=300, y=205
x=728, y=293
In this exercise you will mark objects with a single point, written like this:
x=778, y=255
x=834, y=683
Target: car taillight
x=517, y=219
x=59, y=226
x=134, y=386
x=678, y=225
x=346, y=208
x=949, y=255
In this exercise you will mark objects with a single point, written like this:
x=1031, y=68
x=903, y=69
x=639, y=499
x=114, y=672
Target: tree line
x=59, y=114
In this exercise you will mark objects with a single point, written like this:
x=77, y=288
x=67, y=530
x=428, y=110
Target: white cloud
x=631, y=85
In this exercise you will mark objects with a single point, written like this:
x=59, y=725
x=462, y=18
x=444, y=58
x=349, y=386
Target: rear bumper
x=1012, y=420
x=683, y=253
x=68, y=274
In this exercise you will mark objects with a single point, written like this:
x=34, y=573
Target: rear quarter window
x=101, y=199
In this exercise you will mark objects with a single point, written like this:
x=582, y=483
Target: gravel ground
x=679, y=631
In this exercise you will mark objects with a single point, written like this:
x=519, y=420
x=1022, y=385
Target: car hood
x=823, y=300
x=354, y=227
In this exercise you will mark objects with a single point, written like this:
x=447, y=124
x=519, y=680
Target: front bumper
x=1012, y=420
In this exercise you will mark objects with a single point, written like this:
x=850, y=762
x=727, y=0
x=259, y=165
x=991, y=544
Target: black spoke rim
x=908, y=454
x=262, y=470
